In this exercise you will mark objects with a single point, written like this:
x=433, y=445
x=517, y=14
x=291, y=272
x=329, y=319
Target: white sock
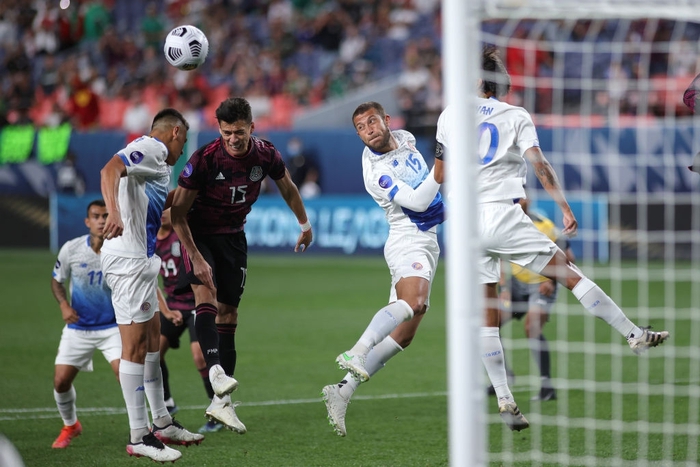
x=382, y=324
x=65, y=401
x=153, y=385
x=376, y=359
x=131, y=381
x=492, y=356
x=600, y=305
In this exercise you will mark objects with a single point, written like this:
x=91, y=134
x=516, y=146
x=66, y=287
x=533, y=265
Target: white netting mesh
x=607, y=96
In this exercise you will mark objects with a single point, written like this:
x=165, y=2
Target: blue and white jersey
x=504, y=133
x=89, y=294
x=142, y=195
x=386, y=174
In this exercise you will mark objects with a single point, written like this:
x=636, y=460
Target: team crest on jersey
x=145, y=306
x=385, y=181
x=136, y=157
x=187, y=170
x=417, y=266
x=256, y=173
x=175, y=249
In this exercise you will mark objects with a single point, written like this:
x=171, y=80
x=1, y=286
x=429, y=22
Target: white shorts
x=77, y=346
x=411, y=255
x=133, y=282
x=507, y=233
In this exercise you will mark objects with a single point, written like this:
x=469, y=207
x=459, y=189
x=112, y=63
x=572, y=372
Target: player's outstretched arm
x=182, y=202
x=290, y=193
x=110, y=175
x=421, y=198
x=550, y=182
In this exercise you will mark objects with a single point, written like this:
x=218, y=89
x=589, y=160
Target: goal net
x=604, y=81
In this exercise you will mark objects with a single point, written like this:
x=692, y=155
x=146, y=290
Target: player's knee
x=416, y=304
x=62, y=385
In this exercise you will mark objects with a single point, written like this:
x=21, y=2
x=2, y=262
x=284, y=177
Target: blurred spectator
x=137, y=118
x=83, y=105
x=353, y=45
x=68, y=178
x=112, y=83
x=297, y=85
x=49, y=77
x=683, y=58
x=56, y=116
x=46, y=39
x=153, y=28
x=309, y=187
x=303, y=167
x=280, y=12
x=401, y=18
x=260, y=102
x=96, y=20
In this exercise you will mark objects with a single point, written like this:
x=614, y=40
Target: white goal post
x=609, y=111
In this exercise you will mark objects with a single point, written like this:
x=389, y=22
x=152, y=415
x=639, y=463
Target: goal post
x=604, y=83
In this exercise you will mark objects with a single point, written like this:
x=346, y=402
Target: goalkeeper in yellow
x=532, y=296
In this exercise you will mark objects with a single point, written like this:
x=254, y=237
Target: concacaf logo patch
x=175, y=249
x=187, y=170
x=145, y=306
x=136, y=157
x=417, y=266
x=256, y=173
x=385, y=181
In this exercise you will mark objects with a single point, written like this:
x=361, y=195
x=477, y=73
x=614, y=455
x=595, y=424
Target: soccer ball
x=186, y=47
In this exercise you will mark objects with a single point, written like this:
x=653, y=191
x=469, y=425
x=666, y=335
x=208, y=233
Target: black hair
x=97, y=202
x=362, y=108
x=171, y=117
x=234, y=109
x=495, y=79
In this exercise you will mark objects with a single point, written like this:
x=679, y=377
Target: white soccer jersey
x=142, y=195
x=89, y=294
x=504, y=133
x=386, y=174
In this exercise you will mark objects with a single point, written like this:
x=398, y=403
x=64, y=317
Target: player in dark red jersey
x=215, y=193
x=177, y=314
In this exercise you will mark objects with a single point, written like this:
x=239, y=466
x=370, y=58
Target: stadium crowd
x=98, y=63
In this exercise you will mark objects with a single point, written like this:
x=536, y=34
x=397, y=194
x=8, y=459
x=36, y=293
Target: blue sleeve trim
x=393, y=192
x=124, y=158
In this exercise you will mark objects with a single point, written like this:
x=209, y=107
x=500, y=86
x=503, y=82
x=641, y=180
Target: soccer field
x=297, y=314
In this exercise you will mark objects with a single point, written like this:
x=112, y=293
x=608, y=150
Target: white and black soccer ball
x=186, y=47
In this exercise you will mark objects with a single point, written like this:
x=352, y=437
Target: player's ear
x=252, y=127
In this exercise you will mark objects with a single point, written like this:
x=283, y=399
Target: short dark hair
x=233, y=110
x=495, y=80
x=97, y=202
x=170, y=116
x=362, y=108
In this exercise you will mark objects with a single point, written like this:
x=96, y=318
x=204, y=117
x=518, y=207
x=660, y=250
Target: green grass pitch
x=297, y=314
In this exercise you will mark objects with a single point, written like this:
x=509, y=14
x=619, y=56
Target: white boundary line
x=51, y=412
